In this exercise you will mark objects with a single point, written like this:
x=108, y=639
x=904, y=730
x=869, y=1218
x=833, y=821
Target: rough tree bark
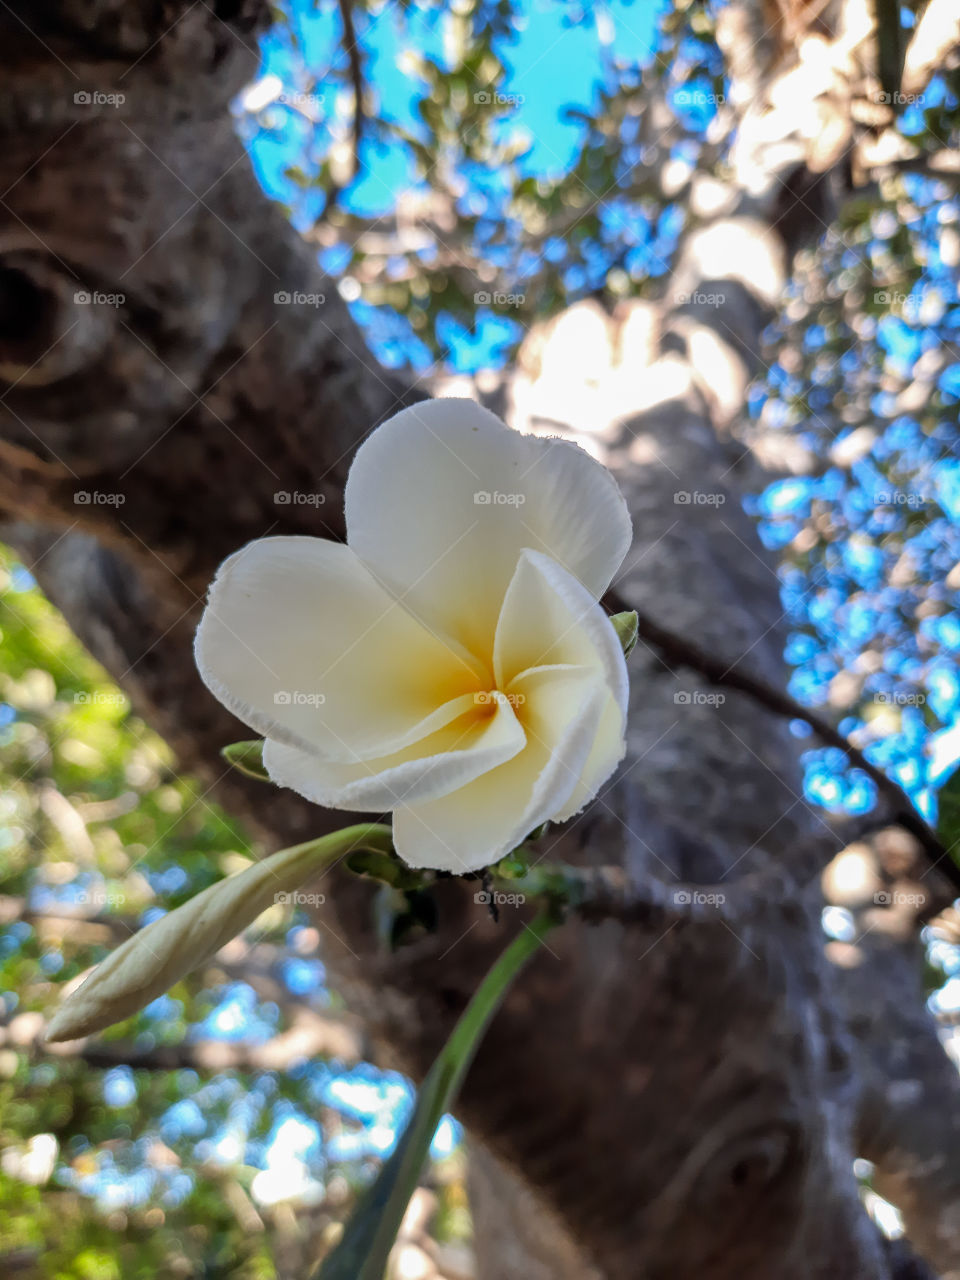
x=679, y=1101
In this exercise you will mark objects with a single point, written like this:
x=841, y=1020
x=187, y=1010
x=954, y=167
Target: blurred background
x=226, y=1130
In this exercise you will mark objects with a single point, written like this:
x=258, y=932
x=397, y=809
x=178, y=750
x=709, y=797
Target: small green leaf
x=248, y=758
x=627, y=626
x=369, y=1236
x=948, y=815
x=509, y=868
x=383, y=867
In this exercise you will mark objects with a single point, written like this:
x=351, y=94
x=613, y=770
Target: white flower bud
x=157, y=957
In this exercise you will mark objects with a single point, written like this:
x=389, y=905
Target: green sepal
x=248, y=758
x=372, y=865
x=627, y=627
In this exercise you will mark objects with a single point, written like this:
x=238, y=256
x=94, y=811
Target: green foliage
x=93, y=817
x=512, y=255
x=97, y=827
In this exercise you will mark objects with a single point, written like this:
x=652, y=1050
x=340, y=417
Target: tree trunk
x=686, y=1099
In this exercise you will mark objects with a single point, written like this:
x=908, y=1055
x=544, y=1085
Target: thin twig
x=356, y=79
x=354, y=57
x=608, y=893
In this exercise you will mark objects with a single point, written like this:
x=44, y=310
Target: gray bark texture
x=672, y=1100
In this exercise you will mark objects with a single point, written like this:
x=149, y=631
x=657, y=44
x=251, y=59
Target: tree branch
x=310, y=1035
x=356, y=78
x=719, y=672
x=599, y=893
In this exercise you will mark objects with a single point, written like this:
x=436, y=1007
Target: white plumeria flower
x=451, y=662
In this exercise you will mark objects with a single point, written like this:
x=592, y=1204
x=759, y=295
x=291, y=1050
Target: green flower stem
x=486, y=999
x=563, y=885
x=594, y=893
x=364, y=1248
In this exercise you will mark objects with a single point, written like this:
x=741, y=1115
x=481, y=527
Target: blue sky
x=551, y=65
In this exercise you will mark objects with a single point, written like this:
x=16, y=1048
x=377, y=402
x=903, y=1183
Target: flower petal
x=609, y=747
x=302, y=643
x=549, y=618
x=481, y=738
x=477, y=824
x=442, y=498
